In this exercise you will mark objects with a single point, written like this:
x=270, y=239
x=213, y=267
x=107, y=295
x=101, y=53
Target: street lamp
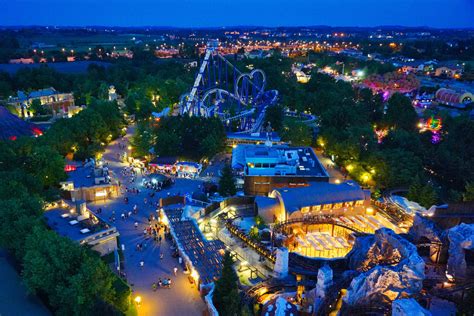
x=138, y=300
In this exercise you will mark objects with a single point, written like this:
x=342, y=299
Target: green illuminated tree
x=400, y=113
x=226, y=294
x=227, y=182
x=469, y=194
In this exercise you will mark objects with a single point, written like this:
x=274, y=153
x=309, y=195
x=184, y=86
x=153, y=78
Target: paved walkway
x=335, y=175
x=182, y=298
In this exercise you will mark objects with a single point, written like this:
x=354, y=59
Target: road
x=182, y=298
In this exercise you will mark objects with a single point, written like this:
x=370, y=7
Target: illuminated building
x=81, y=225
x=319, y=198
x=267, y=167
x=453, y=98
x=90, y=182
x=60, y=103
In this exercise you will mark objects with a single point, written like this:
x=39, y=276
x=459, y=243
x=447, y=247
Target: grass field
x=82, y=42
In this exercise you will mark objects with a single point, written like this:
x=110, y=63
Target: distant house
x=22, y=61
x=257, y=54
x=60, y=103
x=449, y=70
x=301, y=76
x=458, y=99
x=410, y=66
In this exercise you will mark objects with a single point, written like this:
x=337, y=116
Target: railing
x=255, y=245
x=317, y=220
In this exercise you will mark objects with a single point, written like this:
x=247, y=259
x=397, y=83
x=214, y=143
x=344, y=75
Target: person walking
x=142, y=263
x=136, y=225
x=175, y=270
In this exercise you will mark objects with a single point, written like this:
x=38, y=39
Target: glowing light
x=195, y=275
x=366, y=177
x=350, y=168
x=138, y=300
x=102, y=193
x=381, y=134
x=69, y=168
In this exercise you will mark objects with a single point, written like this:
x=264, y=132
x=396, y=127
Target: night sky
x=204, y=13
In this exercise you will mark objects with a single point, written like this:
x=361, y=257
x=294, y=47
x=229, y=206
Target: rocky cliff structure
x=461, y=238
x=390, y=267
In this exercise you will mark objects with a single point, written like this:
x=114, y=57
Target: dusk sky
x=203, y=13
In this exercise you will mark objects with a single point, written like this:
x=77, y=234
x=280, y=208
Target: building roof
x=42, y=93
x=205, y=255
x=453, y=97
x=11, y=126
x=83, y=176
x=168, y=160
x=320, y=193
x=305, y=159
x=59, y=219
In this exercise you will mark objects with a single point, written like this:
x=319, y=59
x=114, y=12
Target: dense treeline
x=71, y=279
x=87, y=133
x=189, y=137
x=138, y=79
x=347, y=120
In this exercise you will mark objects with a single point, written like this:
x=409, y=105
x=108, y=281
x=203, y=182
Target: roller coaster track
x=220, y=89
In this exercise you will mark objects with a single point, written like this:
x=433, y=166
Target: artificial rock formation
x=390, y=267
x=281, y=264
x=325, y=278
x=423, y=227
x=460, y=237
x=408, y=307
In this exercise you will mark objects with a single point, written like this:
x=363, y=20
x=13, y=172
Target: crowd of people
x=145, y=218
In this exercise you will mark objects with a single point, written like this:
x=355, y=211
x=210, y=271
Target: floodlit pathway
x=183, y=298
x=334, y=174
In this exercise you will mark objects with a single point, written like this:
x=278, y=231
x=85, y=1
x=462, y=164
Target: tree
x=428, y=196
x=274, y=115
x=227, y=182
x=20, y=212
x=469, y=194
x=400, y=113
x=72, y=277
x=190, y=137
x=38, y=108
x=414, y=191
x=142, y=140
x=226, y=295
x=396, y=167
x=297, y=133
x=425, y=195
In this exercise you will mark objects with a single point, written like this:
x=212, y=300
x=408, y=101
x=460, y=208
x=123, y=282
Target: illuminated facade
x=319, y=198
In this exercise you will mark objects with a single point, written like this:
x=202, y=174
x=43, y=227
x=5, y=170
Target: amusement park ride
x=221, y=90
x=434, y=125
